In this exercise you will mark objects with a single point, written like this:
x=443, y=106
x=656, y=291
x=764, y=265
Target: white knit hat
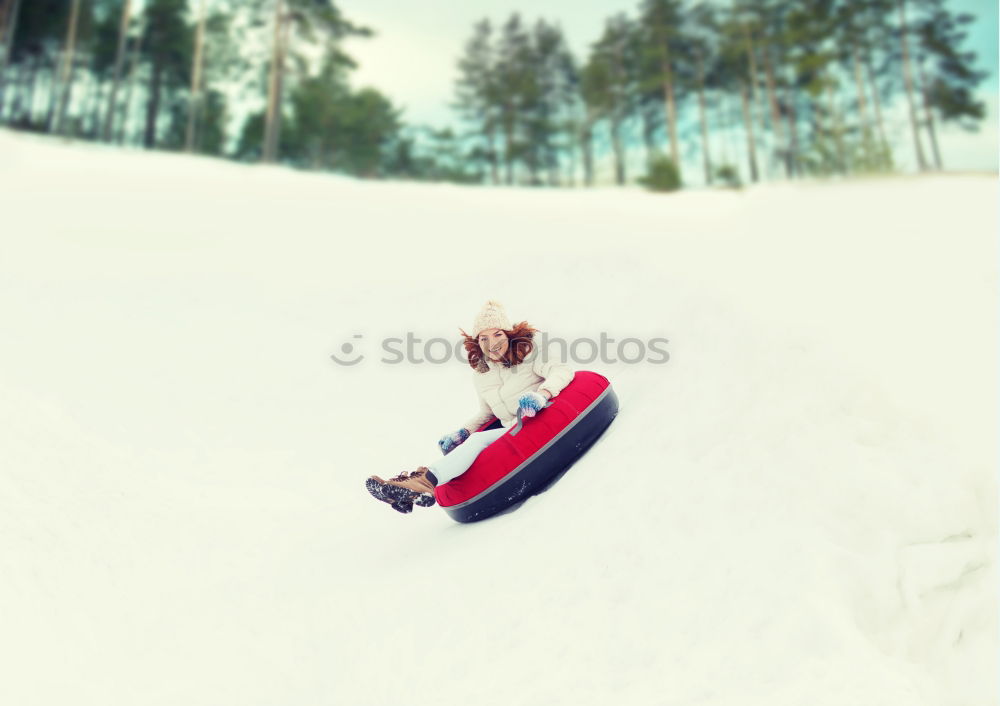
x=492, y=315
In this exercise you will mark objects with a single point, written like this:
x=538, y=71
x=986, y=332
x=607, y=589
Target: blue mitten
x=531, y=403
x=449, y=441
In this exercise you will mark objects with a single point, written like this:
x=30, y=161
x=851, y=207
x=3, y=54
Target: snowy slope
x=800, y=507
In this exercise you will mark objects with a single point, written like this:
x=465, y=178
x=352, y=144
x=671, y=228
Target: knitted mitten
x=449, y=441
x=531, y=403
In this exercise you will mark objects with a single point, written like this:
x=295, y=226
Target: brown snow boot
x=404, y=490
x=424, y=478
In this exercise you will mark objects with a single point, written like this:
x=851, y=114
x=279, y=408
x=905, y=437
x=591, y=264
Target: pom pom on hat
x=491, y=315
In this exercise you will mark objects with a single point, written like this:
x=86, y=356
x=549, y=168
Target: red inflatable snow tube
x=526, y=459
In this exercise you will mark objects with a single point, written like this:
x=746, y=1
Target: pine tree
x=703, y=31
x=945, y=73
x=661, y=22
x=219, y=63
x=298, y=21
x=514, y=87
x=550, y=95
x=731, y=77
x=167, y=48
x=476, y=96
x=908, y=84
x=124, y=23
x=610, y=84
x=10, y=14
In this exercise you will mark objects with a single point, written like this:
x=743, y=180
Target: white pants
x=458, y=461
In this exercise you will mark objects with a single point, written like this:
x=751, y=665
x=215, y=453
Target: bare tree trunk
x=53, y=95
x=667, y=81
x=908, y=83
x=752, y=74
x=196, y=99
x=22, y=89
x=648, y=128
x=69, y=61
x=491, y=142
x=10, y=26
x=127, y=107
x=15, y=81
x=929, y=121
x=36, y=96
x=793, y=133
x=587, y=150
x=876, y=103
x=748, y=126
x=494, y=158
x=94, y=110
x=272, y=123
x=4, y=11
x=109, y=117
x=616, y=119
x=508, y=146
x=706, y=158
x=726, y=123
x=96, y=116
x=617, y=150
x=777, y=126
x=837, y=129
x=669, y=103
x=571, y=164
x=24, y=95
x=280, y=94
x=153, y=107
x=859, y=88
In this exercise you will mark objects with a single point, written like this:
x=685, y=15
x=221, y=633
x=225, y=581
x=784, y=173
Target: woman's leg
x=458, y=461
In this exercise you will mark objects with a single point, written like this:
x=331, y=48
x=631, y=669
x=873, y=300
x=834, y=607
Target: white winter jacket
x=500, y=388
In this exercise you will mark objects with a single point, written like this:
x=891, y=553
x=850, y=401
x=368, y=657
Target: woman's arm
x=556, y=375
x=484, y=415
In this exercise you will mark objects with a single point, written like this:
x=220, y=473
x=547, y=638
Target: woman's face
x=494, y=343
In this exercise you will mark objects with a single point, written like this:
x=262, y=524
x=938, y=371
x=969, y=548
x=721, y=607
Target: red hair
x=519, y=340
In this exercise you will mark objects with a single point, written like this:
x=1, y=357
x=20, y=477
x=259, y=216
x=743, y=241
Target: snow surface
x=800, y=507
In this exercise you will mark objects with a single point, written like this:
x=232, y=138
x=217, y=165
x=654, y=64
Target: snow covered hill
x=799, y=507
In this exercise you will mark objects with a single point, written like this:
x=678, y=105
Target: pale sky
x=413, y=56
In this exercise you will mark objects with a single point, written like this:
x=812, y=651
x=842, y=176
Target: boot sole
x=376, y=491
x=401, y=499
x=404, y=495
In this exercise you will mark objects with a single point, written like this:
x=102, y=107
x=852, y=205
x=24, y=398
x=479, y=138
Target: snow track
x=800, y=507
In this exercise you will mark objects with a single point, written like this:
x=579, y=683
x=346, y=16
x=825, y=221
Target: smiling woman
x=497, y=339
x=512, y=381
x=493, y=343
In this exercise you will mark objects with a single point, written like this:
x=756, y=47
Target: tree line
x=805, y=85
x=171, y=74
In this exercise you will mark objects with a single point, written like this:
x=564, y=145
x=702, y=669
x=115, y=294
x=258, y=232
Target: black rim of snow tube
x=536, y=473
